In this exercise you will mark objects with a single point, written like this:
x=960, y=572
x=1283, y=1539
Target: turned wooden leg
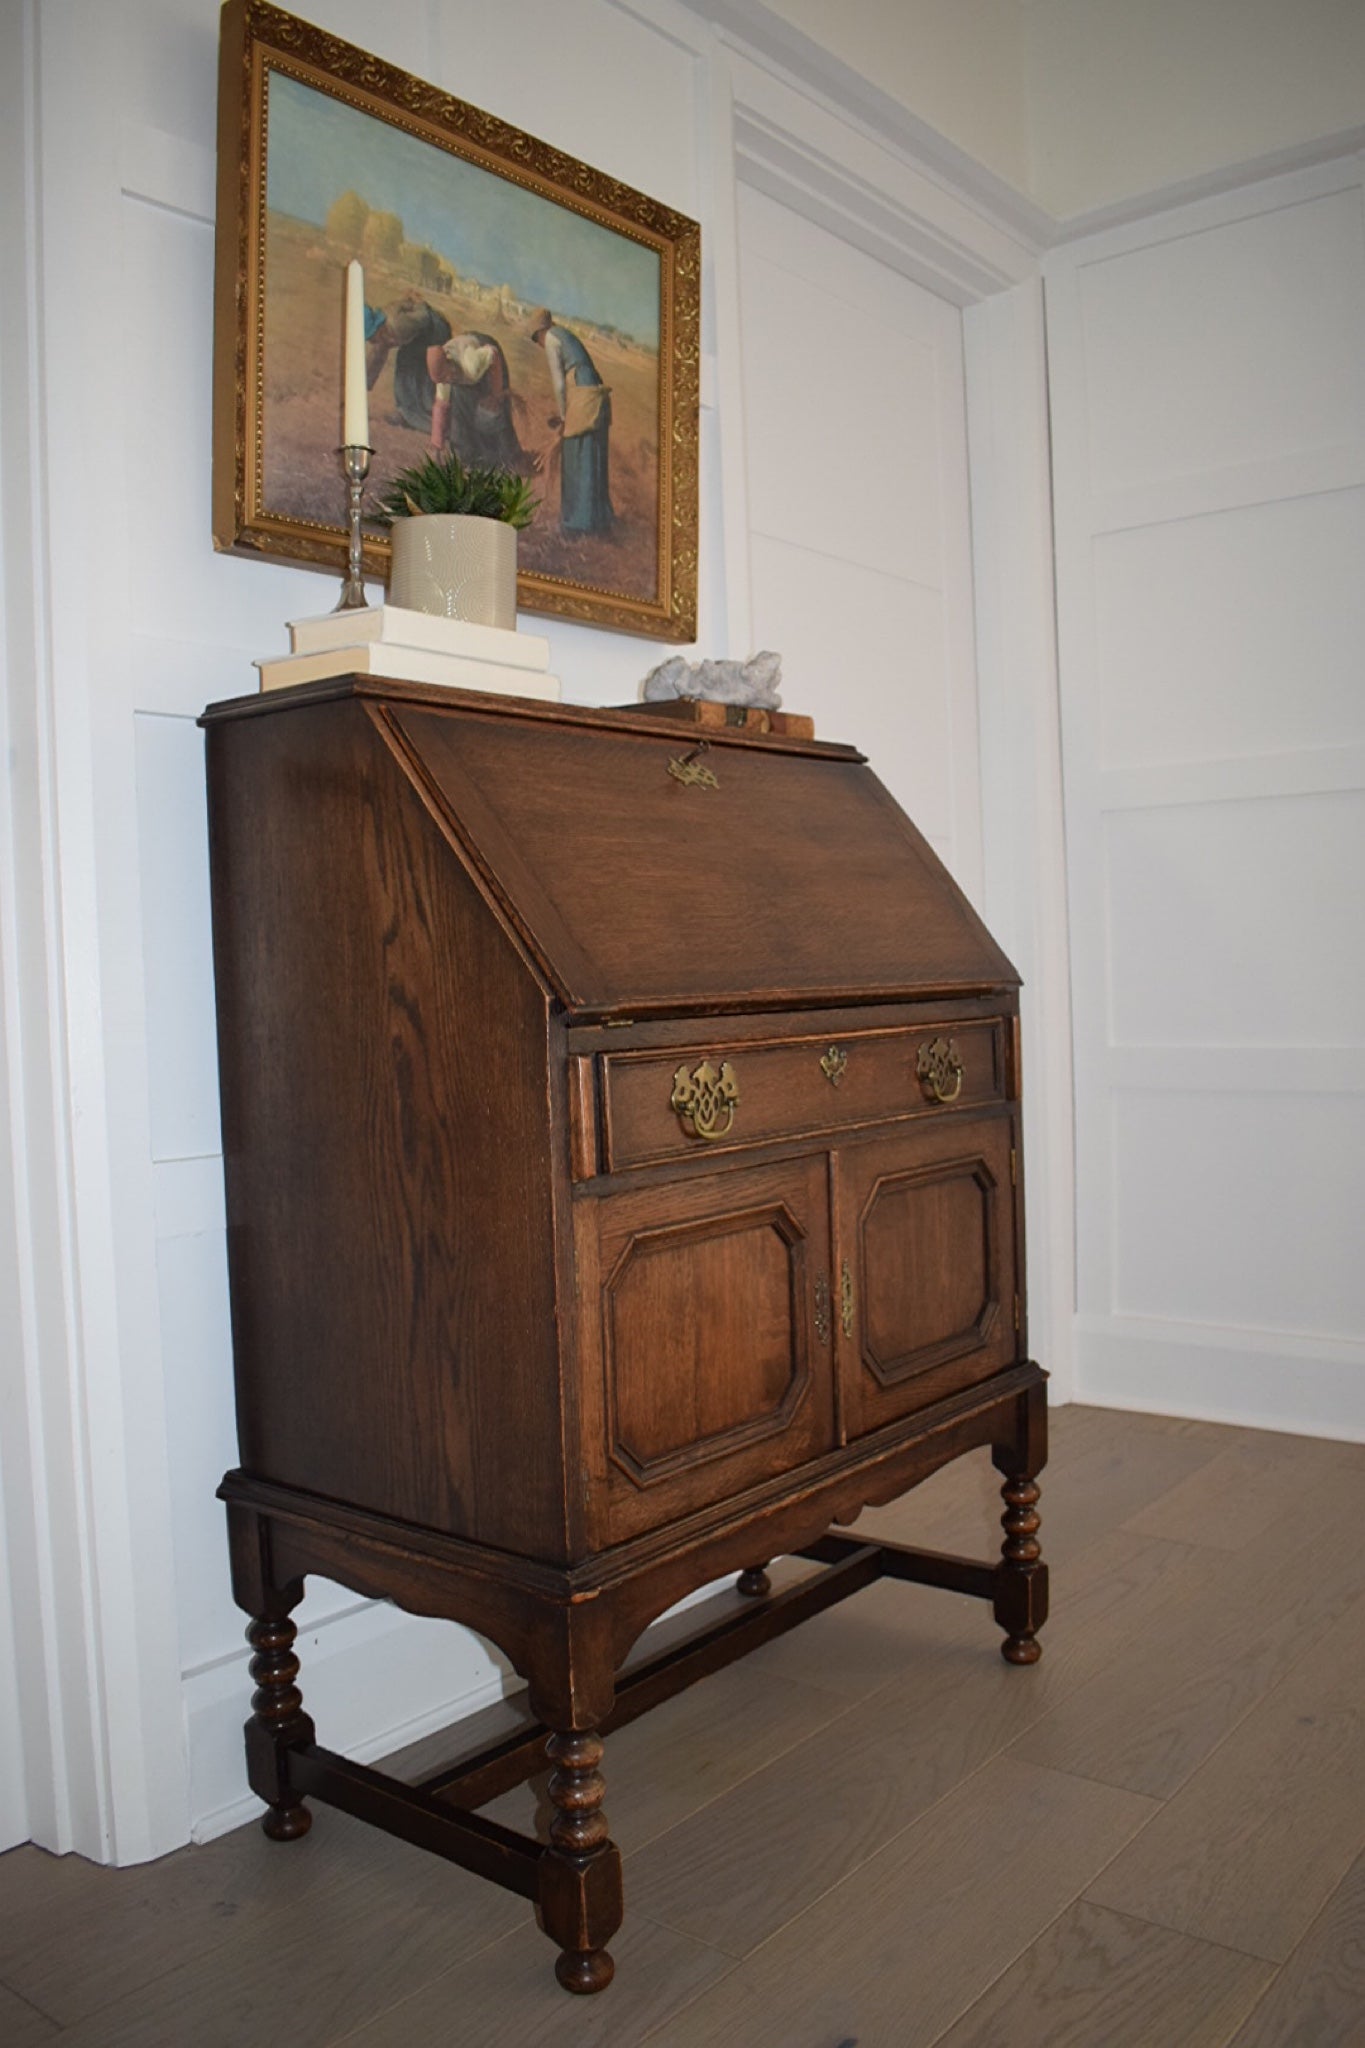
x=754, y=1581
x=277, y=1721
x=1021, y=1586
x=580, y=1874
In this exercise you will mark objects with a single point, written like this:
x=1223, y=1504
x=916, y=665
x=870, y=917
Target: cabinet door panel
x=702, y=1368
x=927, y=1267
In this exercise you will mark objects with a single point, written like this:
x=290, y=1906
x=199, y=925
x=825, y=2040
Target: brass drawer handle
x=834, y=1065
x=706, y=1100
x=939, y=1067
x=846, y=1300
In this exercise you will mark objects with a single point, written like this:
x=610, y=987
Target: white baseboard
x=1260, y=1379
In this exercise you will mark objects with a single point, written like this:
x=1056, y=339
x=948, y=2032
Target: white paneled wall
x=1208, y=398
x=859, y=516
x=839, y=524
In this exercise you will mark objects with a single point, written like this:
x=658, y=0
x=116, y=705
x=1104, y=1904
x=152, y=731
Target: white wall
x=841, y=356
x=130, y=623
x=957, y=64
x=1126, y=97
x=1208, y=397
x=1074, y=107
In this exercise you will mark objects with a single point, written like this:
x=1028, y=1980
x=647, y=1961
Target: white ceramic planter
x=456, y=567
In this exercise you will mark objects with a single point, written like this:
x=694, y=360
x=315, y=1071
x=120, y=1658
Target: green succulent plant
x=442, y=483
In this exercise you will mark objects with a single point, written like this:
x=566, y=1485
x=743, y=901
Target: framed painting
x=520, y=308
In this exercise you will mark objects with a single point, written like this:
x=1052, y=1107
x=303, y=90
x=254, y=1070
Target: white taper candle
x=355, y=430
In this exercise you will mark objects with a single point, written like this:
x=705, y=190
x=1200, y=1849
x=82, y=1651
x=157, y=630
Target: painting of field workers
x=499, y=322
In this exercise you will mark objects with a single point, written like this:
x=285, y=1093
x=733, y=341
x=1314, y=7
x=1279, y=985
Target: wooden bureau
x=621, y=1134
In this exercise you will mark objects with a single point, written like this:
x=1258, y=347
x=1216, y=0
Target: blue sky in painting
x=485, y=227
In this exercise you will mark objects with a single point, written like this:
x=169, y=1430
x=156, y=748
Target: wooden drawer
x=715, y=1097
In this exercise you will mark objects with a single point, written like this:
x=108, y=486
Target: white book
x=390, y=625
x=408, y=665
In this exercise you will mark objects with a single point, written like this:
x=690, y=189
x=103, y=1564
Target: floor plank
x=904, y=1945
x=1191, y=1675
x=1248, y=1489
x=509, y=1998
x=21, y=2025
x=871, y=1829
x=1248, y=1851
x=1099, y=1977
x=364, y=1919
x=1318, y=1999
x=740, y=1869
x=677, y=1759
x=1102, y=1469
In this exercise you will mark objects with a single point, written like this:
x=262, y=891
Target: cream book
x=389, y=625
x=408, y=665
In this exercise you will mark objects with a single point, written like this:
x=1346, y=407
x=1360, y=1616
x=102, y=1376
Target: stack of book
x=413, y=647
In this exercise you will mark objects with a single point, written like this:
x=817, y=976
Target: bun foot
x=754, y=1582
x=584, y=1970
x=1021, y=1650
x=286, y=1823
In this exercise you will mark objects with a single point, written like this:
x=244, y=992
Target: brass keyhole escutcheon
x=705, y=1100
x=834, y=1064
x=939, y=1067
x=691, y=771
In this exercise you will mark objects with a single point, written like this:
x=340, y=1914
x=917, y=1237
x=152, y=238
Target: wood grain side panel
x=386, y=1142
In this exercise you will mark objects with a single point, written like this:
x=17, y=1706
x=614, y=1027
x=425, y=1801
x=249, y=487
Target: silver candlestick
x=355, y=461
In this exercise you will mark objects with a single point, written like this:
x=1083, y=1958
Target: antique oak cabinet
x=622, y=1149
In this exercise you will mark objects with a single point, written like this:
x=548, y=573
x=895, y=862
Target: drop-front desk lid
x=781, y=875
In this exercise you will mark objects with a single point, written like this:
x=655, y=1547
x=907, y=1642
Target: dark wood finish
x=1021, y=1591
x=786, y=1092
x=928, y=1283
x=521, y=1339
x=559, y=818
x=700, y=1367
x=580, y=1898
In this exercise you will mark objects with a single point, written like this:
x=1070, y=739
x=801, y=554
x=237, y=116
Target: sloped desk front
x=622, y=1152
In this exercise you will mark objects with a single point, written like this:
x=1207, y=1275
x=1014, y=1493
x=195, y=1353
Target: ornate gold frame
x=257, y=38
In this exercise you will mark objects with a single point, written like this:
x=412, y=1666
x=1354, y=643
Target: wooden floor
x=873, y=1831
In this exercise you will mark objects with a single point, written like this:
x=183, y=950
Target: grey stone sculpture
x=753, y=681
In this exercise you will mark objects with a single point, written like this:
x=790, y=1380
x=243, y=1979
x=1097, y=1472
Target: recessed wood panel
x=702, y=1370
x=926, y=1250
x=928, y=1287
x=704, y=1329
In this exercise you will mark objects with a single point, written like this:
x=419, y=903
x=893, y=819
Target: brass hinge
x=846, y=1300
x=1014, y=1168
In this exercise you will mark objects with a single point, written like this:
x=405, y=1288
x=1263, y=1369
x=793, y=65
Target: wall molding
x=756, y=31
x=1258, y=1378
x=1225, y=181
